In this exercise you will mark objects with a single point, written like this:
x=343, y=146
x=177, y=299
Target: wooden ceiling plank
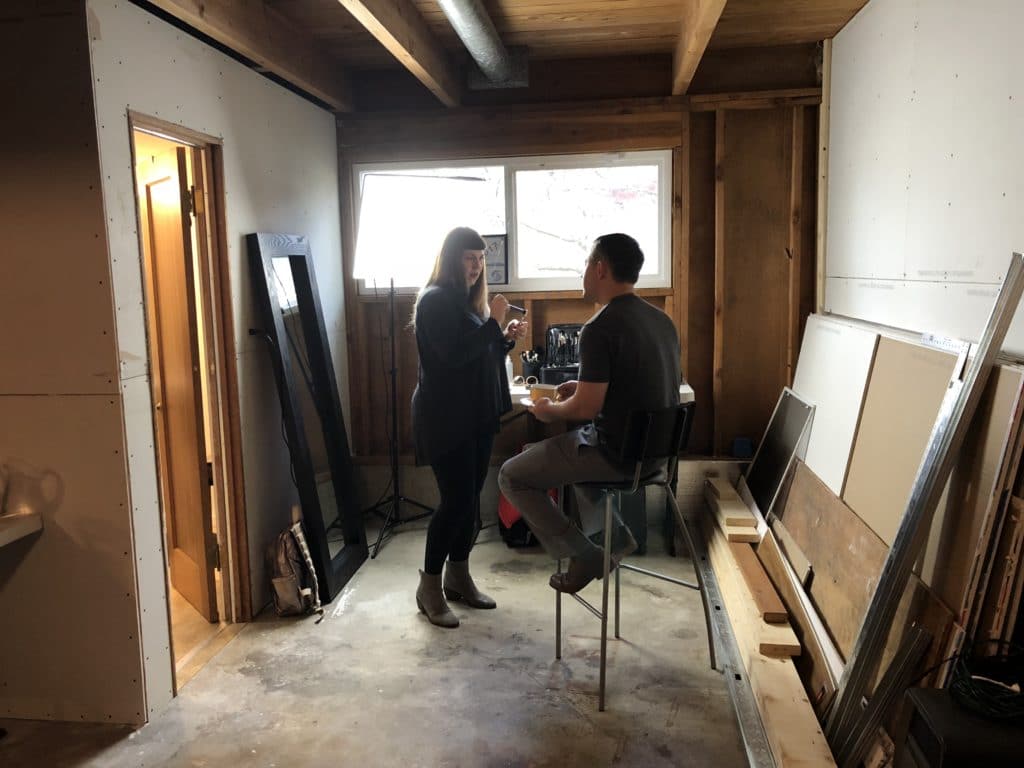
x=400, y=28
x=271, y=41
x=700, y=17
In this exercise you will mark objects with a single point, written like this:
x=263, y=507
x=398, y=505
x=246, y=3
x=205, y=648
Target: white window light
x=554, y=208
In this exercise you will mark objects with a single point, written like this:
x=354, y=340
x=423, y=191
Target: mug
x=537, y=391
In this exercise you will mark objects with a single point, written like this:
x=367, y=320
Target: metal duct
x=474, y=27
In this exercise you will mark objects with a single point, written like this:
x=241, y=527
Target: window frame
x=661, y=158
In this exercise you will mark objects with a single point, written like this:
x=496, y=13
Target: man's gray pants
x=563, y=460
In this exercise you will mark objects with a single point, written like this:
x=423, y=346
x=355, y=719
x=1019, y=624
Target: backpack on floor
x=293, y=582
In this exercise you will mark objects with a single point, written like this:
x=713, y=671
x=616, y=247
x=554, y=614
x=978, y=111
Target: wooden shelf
x=14, y=527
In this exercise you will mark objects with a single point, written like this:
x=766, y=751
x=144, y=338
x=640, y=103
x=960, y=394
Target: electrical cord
x=990, y=686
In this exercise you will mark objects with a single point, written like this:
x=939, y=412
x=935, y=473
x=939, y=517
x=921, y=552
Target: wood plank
x=905, y=388
x=699, y=299
x=720, y=276
x=699, y=19
x=790, y=724
x=774, y=99
x=765, y=597
x=731, y=508
x=813, y=665
x=732, y=532
x=399, y=27
x=832, y=372
x=845, y=554
x=772, y=640
x=795, y=249
x=794, y=555
x=267, y=37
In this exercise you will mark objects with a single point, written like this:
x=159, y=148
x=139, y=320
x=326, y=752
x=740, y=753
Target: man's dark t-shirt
x=634, y=347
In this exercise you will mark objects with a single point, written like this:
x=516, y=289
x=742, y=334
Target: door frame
x=219, y=337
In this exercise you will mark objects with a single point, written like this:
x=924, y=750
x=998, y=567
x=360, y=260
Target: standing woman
x=461, y=393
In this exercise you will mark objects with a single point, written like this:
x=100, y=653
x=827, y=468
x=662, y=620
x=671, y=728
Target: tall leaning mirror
x=293, y=325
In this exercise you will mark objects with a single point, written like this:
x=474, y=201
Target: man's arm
x=584, y=404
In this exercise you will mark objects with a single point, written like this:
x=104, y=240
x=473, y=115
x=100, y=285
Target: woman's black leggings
x=460, y=476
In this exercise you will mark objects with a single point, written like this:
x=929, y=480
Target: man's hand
x=567, y=389
x=542, y=410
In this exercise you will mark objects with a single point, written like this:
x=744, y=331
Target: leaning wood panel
x=846, y=556
x=79, y=657
x=905, y=389
x=752, y=219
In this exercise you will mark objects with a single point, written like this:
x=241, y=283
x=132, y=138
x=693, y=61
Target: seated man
x=629, y=359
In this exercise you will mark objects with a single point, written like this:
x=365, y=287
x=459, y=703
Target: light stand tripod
x=394, y=518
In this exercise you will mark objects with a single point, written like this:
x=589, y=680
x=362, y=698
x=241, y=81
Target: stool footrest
x=587, y=605
x=656, y=575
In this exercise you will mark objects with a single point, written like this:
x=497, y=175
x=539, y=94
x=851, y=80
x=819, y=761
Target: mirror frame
x=332, y=573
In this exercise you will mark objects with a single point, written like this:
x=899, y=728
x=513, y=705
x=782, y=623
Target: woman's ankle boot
x=431, y=601
x=458, y=585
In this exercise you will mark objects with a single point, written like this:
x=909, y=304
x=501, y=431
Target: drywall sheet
x=974, y=489
x=925, y=161
x=56, y=306
x=69, y=645
x=280, y=166
x=905, y=390
x=832, y=374
x=846, y=556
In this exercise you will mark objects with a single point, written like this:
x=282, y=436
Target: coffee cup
x=537, y=391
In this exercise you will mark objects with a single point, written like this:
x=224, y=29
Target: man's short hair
x=622, y=254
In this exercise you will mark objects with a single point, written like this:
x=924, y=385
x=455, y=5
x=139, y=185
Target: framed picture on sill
x=496, y=258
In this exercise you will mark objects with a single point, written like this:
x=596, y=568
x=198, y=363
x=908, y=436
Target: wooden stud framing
x=823, y=140
x=719, y=274
x=795, y=243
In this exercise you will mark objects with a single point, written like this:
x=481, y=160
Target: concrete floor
x=375, y=684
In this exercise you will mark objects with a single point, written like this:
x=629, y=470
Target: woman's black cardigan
x=462, y=387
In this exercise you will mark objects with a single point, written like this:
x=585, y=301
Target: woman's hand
x=499, y=308
x=516, y=329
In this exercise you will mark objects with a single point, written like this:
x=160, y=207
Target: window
x=550, y=208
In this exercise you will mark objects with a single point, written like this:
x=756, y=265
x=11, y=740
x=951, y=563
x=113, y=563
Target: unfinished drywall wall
x=280, y=175
x=926, y=164
x=69, y=643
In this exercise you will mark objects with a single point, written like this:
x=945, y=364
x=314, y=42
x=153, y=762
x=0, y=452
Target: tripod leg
x=390, y=521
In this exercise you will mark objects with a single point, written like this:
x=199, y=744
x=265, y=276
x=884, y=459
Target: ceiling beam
x=267, y=38
x=400, y=28
x=700, y=17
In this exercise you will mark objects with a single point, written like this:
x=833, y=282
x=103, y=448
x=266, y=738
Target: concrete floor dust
x=374, y=684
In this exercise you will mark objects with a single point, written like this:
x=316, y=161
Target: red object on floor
x=509, y=514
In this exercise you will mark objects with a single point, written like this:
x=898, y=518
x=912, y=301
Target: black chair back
x=653, y=435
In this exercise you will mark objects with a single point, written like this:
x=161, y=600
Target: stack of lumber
x=822, y=549
x=766, y=641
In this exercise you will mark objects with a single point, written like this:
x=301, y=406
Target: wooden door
x=177, y=389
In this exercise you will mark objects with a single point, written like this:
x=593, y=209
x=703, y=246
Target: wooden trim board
x=765, y=597
x=732, y=532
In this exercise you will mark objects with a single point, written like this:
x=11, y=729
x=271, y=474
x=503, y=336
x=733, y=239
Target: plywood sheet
x=964, y=514
x=79, y=657
x=832, y=374
x=905, y=389
x=846, y=556
x=752, y=269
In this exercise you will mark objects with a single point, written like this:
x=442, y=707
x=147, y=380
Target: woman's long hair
x=448, y=271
